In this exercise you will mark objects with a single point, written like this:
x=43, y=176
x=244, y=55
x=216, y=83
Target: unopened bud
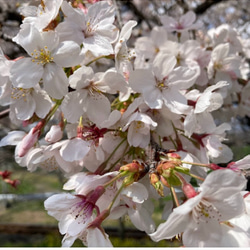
x=55, y=134
x=189, y=190
x=173, y=156
x=153, y=178
x=156, y=183
x=133, y=167
x=164, y=182
x=28, y=142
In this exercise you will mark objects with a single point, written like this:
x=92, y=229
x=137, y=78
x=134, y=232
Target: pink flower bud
x=55, y=134
x=188, y=190
x=214, y=166
x=28, y=142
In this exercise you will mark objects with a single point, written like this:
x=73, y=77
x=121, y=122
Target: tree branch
x=206, y=5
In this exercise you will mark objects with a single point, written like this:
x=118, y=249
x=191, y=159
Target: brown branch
x=206, y=5
x=4, y=113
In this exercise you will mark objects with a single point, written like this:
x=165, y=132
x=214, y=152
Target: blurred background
x=23, y=220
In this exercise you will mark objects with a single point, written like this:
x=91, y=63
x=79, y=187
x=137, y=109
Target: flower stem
x=174, y=196
x=196, y=164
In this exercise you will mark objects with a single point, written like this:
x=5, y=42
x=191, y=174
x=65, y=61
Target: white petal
x=175, y=224
x=67, y=54
x=73, y=105
x=43, y=103
x=25, y=107
x=74, y=150
x=55, y=81
x=26, y=74
x=98, y=108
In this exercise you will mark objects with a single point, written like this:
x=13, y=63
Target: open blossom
x=199, y=119
x=133, y=201
x=200, y=217
x=74, y=212
x=47, y=58
x=163, y=83
x=90, y=89
x=185, y=22
x=94, y=30
x=42, y=15
x=26, y=102
x=139, y=126
x=224, y=66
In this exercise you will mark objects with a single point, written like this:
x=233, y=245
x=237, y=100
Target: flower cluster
x=129, y=124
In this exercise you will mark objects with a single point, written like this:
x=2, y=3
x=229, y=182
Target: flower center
x=139, y=125
x=205, y=212
x=50, y=164
x=42, y=57
x=82, y=210
x=20, y=93
x=161, y=84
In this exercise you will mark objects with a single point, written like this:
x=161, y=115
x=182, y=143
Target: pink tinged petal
x=242, y=221
x=169, y=22
x=73, y=105
x=221, y=180
x=84, y=183
x=220, y=52
x=163, y=64
x=114, y=117
x=81, y=77
x=98, y=45
x=29, y=38
x=28, y=142
x=159, y=36
x=188, y=18
x=243, y=163
x=98, y=109
x=183, y=77
x=50, y=39
x=54, y=134
x=153, y=98
x=202, y=234
x=137, y=139
x=55, y=81
x=233, y=236
x=137, y=192
x=26, y=74
x=111, y=82
x=12, y=138
x=69, y=31
x=43, y=103
x=95, y=238
x=68, y=240
x=127, y=30
x=67, y=54
x=59, y=204
x=142, y=219
x=25, y=107
x=175, y=101
x=142, y=80
x=206, y=122
x=176, y=223
x=118, y=212
x=190, y=123
x=74, y=150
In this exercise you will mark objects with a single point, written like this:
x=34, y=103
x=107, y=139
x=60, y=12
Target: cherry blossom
x=199, y=218
x=47, y=57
